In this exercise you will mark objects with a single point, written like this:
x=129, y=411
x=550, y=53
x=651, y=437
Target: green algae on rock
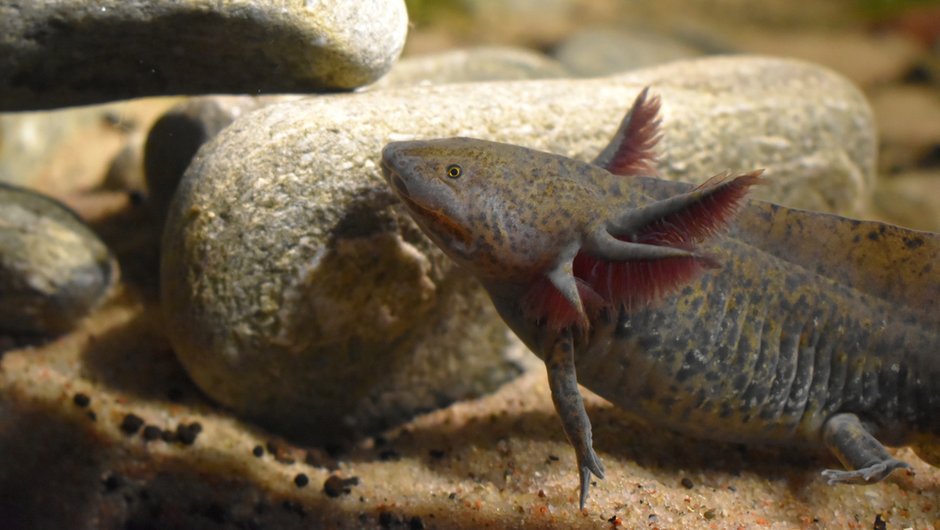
x=74, y=52
x=53, y=268
x=297, y=293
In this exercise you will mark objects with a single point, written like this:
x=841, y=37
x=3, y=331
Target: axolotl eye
x=454, y=171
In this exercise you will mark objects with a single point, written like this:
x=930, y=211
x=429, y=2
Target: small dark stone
x=301, y=480
x=112, y=482
x=258, y=451
x=687, y=483
x=334, y=486
x=452, y=496
x=81, y=400
x=187, y=433
x=416, y=523
x=436, y=454
x=131, y=424
x=880, y=523
x=152, y=432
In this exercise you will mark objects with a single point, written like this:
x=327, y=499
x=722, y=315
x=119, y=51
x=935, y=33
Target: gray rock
x=175, y=137
x=72, y=52
x=53, y=269
x=601, y=51
x=484, y=63
x=299, y=294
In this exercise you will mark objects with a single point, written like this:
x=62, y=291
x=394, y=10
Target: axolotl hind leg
x=865, y=458
x=563, y=381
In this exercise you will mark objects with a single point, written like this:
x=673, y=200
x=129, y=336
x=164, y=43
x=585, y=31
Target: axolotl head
x=565, y=238
x=485, y=203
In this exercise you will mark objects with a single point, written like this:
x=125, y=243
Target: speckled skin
x=816, y=330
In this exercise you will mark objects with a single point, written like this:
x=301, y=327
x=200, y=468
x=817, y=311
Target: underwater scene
x=463, y=264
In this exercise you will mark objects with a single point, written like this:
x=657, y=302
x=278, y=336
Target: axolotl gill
x=694, y=308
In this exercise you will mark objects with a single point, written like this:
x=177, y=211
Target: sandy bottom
x=497, y=462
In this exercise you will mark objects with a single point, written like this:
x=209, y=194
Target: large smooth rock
x=53, y=268
x=298, y=293
x=73, y=52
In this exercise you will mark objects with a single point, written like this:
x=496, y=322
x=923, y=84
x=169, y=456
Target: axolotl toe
x=693, y=307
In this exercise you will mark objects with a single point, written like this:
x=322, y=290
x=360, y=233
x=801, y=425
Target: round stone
x=53, y=268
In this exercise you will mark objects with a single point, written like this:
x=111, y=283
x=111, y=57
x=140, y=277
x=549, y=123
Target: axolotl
x=695, y=308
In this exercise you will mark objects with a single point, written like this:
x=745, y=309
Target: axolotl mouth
x=434, y=217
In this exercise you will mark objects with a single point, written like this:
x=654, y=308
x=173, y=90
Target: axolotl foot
x=563, y=381
x=866, y=475
x=866, y=459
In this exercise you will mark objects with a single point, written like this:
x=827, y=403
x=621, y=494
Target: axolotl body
x=692, y=307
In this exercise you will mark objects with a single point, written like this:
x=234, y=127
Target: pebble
x=131, y=424
x=160, y=47
x=53, y=269
x=334, y=486
x=81, y=400
x=284, y=250
x=187, y=433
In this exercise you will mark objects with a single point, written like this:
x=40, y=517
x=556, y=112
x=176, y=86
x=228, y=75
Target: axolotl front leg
x=563, y=381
